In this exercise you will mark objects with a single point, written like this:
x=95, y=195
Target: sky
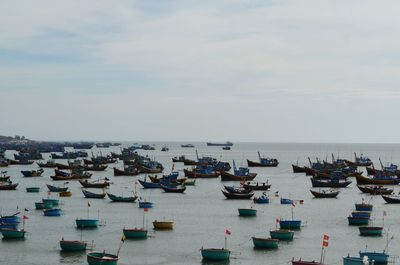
x=183, y=70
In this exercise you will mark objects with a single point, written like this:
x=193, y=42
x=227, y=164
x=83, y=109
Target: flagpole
x=226, y=241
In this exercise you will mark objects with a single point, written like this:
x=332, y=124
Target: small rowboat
x=86, y=184
x=364, y=207
x=13, y=233
x=52, y=212
x=163, y=225
x=42, y=205
x=290, y=224
x=324, y=193
x=101, y=258
x=370, y=230
x=375, y=190
x=116, y=198
x=75, y=245
x=358, y=220
x=55, y=188
x=145, y=204
x=32, y=173
x=54, y=202
x=286, y=201
x=215, y=254
x=87, y=223
x=32, y=189
x=265, y=243
x=240, y=196
x=65, y=194
x=282, y=234
x=8, y=186
x=135, y=233
x=177, y=189
x=301, y=262
x=247, y=212
x=92, y=195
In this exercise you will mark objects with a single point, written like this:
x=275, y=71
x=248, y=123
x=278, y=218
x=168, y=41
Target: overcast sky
x=270, y=71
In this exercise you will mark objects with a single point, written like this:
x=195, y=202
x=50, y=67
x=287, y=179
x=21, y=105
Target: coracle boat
x=375, y=190
x=87, y=223
x=282, y=234
x=331, y=183
x=263, y=162
x=116, y=198
x=32, y=173
x=52, y=212
x=92, y=195
x=247, y=212
x=377, y=180
x=324, y=193
x=364, y=207
x=32, y=189
x=391, y=199
x=176, y=189
x=42, y=205
x=163, y=225
x=242, y=196
x=102, y=258
x=358, y=220
x=72, y=245
x=290, y=224
x=370, y=230
x=135, y=233
x=215, y=254
x=65, y=194
x=95, y=184
x=265, y=243
x=13, y=233
x=55, y=188
x=256, y=186
x=53, y=202
x=361, y=214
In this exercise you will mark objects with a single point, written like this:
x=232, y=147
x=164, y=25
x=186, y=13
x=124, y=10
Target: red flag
x=49, y=193
x=326, y=237
x=325, y=244
x=88, y=204
x=277, y=220
x=277, y=194
x=145, y=209
x=25, y=217
x=301, y=201
x=227, y=232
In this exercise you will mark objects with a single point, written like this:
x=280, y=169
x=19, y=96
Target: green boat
x=41, y=205
x=215, y=254
x=265, y=242
x=290, y=224
x=75, y=245
x=247, y=212
x=135, y=233
x=101, y=258
x=54, y=202
x=32, y=189
x=87, y=223
x=282, y=234
x=358, y=220
x=12, y=233
x=371, y=230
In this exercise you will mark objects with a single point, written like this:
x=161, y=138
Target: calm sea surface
x=202, y=214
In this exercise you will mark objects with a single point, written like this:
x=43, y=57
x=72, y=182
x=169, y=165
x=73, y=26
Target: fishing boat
x=42, y=205
x=72, y=245
x=13, y=233
x=102, y=258
x=226, y=148
x=282, y=234
x=391, y=198
x=32, y=173
x=145, y=204
x=163, y=225
x=298, y=169
x=63, y=166
x=4, y=177
x=290, y=224
x=86, y=175
x=232, y=195
x=95, y=184
x=203, y=172
x=32, y=189
x=187, y=146
x=378, y=180
x=371, y=230
x=286, y=201
x=256, y=186
x=149, y=185
x=55, y=188
x=189, y=162
x=8, y=186
x=226, y=176
x=247, y=212
x=329, y=183
x=52, y=212
x=135, y=233
x=128, y=171
x=363, y=207
x=20, y=162
x=116, y=198
x=263, y=162
x=375, y=190
x=164, y=149
x=93, y=195
x=54, y=202
x=65, y=194
x=322, y=193
x=176, y=189
x=10, y=219
x=227, y=143
x=87, y=223
x=47, y=164
x=265, y=243
x=303, y=262
x=215, y=254
x=95, y=167
x=362, y=161
x=361, y=214
x=179, y=159
x=379, y=258
x=358, y=220
x=263, y=199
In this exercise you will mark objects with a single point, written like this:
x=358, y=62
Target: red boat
x=301, y=262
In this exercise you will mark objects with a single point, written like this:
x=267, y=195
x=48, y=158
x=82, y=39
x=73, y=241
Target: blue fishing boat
x=286, y=201
x=10, y=219
x=149, y=185
x=52, y=212
x=263, y=199
x=263, y=162
x=361, y=214
x=8, y=226
x=365, y=207
x=54, y=202
x=87, y=223
x=290, y=224
x=380, y=258
x=145, y=204
x=358, y=220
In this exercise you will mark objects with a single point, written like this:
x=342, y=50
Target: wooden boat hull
x=265, y=243
x=74, y=177
x=96, y=168
x=193, y=174
x=101, y=258
x=56, y=189
x=258, y=164
x=99, y=185
x=8, y=186
x=92, y=195
x=375, y=190
x=318, y=183
x=9, y=233
x=282, y=234
x=297, y=169
x=215, y=254
x=32, y=189
x=87, y=223
x=318, y=195
x=370, y=230
x=135, y=233
x=226, y=176
x=251, y=187
x=163, y=225
x=115, y=198
x=361, y=180
x=301, y=262
x=71, y=246
x=391, y=199
x=118, y=172
x=290, y=224
x=247, y=212
x=32, y=173
x=238, y=196
x=173, y=189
